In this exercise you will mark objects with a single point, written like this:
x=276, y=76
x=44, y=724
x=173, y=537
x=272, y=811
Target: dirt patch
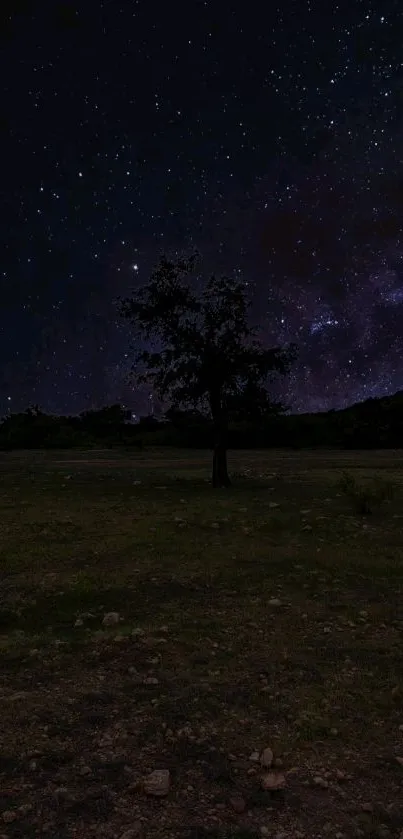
x=240, y=626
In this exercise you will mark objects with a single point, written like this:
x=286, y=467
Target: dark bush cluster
x=375, y=424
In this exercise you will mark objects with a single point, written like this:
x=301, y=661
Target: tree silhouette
x=204, y=353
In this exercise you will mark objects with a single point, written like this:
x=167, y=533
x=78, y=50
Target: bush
x=366, y=498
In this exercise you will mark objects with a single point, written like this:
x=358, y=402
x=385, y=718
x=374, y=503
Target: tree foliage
x=208, y=352
x=204, y=350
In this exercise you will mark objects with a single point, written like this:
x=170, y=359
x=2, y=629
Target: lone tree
x=204, y=352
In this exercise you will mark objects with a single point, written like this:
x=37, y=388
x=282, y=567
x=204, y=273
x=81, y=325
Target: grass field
x=266, y=615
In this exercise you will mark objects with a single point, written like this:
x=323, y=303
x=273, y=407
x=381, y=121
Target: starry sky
x=267, y=136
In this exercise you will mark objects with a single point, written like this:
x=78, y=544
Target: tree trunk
x=220, y=477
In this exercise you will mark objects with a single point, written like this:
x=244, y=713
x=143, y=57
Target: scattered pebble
x=238, y=804
x=274, y=602
x=158, y=782
x=111, y=619
x=16, y=697
x=9, y=816
x=320, y=782
x=133, y=832
x=266, y=758
x=273, y=781
x=273, y=505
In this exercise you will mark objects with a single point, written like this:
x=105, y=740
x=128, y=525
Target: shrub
x=366, y=498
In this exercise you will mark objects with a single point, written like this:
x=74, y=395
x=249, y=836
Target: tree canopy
x=203, y=351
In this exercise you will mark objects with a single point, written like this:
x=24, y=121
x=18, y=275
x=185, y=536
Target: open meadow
x=149, y=622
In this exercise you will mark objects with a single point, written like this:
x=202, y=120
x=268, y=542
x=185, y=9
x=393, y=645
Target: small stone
x=79, y=622
x=274, y=602
x=238, y=804
x=266, y=758
x=215, y=525
x=320, y=782
x=16, y=697
x=132, y=671
x=9, y=816
x=157, y=783
x=61, y=793
x=111, y=619
x=254, y=757
x=400, y=761
x=150, y=680
x=367, y=807
x=273, y=781
x=334, y=732
x=85, y=770
x=264, y=831
x=273, y=505
x=134, y=832
x=137, y=632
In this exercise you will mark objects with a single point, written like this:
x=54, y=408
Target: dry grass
x=192, y=571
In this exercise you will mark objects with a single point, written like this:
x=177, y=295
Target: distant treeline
x=376, y=423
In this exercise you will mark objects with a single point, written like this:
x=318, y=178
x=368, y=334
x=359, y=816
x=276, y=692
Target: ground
x=268, y=615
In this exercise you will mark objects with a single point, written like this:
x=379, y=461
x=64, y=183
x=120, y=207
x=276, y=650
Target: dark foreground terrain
x=267, y=616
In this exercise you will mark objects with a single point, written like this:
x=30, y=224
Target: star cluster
x=269, y=138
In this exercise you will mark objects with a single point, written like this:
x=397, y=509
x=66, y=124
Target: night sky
x=269, y=139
